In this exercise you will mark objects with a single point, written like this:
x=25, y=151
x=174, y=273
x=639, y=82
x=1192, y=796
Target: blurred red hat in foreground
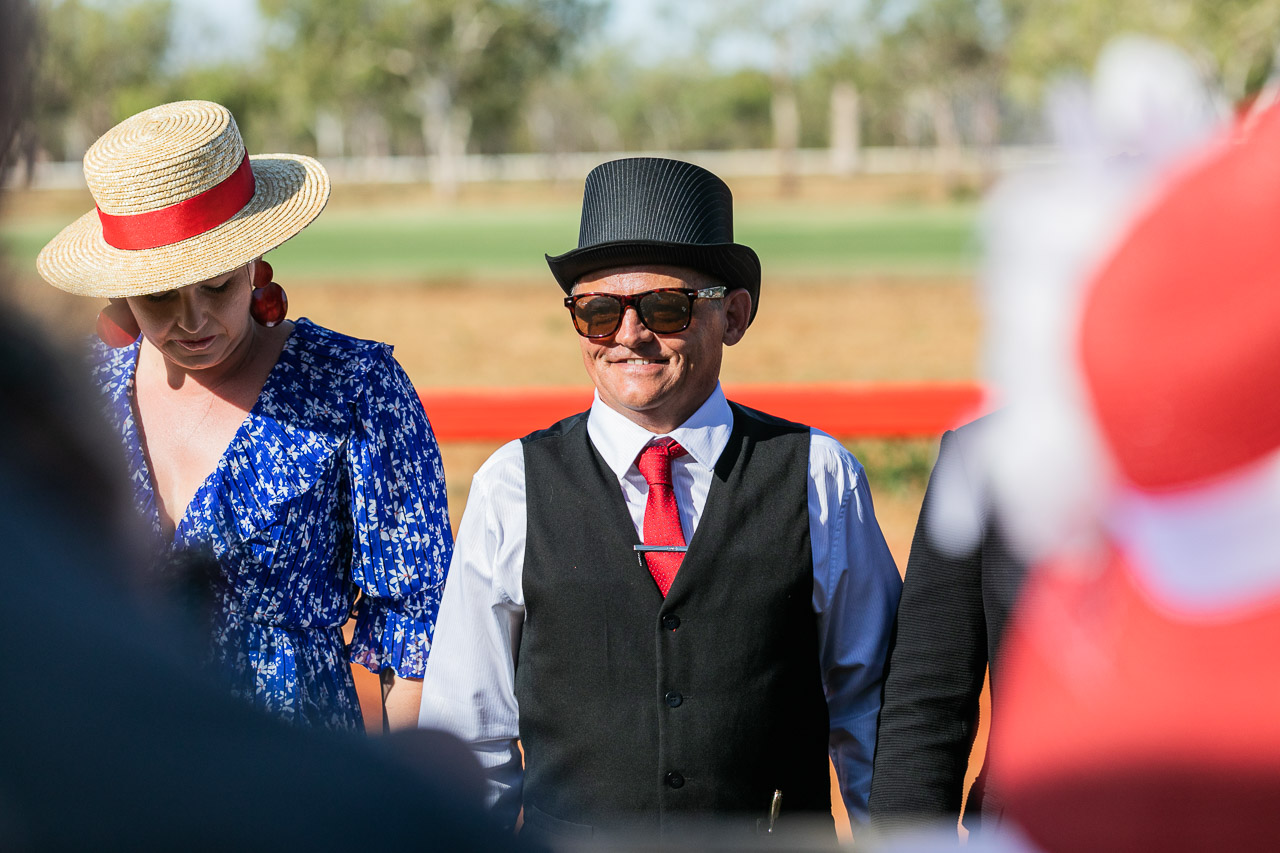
x=1126, y=727
x=1138, y=709
x=1180, y=336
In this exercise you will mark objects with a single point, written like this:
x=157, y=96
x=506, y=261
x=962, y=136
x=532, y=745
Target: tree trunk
x=446, y=128
x=331, y=137
x=986, y=129
x=786, y=116
x=786, y=138
x=945, y=134
x=30, y=147
x=372, y=138
x=75, y=139
x=846, y=140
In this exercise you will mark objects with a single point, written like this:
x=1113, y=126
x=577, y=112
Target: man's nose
x=631, y=330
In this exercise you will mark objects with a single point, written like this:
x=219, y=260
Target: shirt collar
x=619, y=440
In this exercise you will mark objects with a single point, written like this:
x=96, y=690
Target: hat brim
x=732, y=263
x=289, y=192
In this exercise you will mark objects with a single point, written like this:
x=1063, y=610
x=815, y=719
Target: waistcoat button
x=671, y=621
x=674, y=698
x=674, y=780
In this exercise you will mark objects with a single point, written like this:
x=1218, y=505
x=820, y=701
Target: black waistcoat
x=651, y=714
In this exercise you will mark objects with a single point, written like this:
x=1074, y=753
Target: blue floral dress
x=332, y=485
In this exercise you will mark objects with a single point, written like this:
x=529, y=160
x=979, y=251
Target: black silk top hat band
x=649, y=210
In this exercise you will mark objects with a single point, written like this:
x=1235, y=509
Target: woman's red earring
x=116, y=325
x=262, y=274
x=269, y=304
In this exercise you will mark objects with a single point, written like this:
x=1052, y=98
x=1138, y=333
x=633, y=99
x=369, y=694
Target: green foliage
x=250, y=96
x=378, y=77
x=896, y=466
x=1234, y=39
x=98, y=65
x=460, y=66
x=530, y=40
x=329, y=58
x=607, y=102
x=661, y=111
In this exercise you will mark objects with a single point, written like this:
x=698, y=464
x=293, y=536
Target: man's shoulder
x=968, y=446
x=557, y=430
x=829, y=460
x=754, y=418
x=505, y=467
x=824, y=450
x=976, y=429
x=507, y=462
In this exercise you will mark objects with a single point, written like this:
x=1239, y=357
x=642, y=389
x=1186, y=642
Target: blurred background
x=857, y=136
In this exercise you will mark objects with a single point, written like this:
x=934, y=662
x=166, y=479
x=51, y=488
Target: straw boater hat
x=179, y=201
x=650, y=210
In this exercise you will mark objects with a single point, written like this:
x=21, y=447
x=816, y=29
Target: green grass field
x=508, y=242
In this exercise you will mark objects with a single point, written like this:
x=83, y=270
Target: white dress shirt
x=469, y=688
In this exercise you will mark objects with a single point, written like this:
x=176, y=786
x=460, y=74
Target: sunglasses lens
x=597, y=315
x=665, y=311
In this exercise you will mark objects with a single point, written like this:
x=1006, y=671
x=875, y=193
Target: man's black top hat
x=648, y=210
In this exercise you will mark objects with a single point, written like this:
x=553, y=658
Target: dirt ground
x=517, y=334
x=878, y=328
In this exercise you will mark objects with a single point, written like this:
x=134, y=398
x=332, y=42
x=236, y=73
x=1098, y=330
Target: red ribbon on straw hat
x=188, y=218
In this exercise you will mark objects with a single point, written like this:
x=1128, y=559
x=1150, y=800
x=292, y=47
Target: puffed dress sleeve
x=402, y=542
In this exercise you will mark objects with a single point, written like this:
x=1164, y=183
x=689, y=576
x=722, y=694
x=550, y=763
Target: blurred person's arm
x=936, y=671
x=856, y=591
x=469, y=689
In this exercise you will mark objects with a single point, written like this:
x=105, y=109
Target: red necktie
x=661, y=515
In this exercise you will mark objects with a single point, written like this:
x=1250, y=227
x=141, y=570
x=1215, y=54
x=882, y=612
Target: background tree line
x=448, y=77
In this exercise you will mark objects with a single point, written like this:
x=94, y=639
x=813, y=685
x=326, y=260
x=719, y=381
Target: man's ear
x=737, y=314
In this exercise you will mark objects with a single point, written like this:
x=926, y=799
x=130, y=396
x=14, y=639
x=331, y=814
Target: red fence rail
x=845, y=410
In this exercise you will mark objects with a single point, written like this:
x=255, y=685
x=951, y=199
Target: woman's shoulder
x=342, y=356
x=110, y=367
x=323, y=341
x=321, y=362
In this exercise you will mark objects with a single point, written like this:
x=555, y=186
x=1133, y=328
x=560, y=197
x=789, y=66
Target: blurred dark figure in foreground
x=961, y=582
x=110, y=741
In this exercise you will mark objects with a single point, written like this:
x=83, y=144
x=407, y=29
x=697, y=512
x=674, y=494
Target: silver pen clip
x=642, y=550
x=774, y=808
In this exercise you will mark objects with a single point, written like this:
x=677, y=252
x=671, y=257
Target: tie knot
x=655, y=461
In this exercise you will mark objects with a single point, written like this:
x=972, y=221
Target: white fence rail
x=480, y=168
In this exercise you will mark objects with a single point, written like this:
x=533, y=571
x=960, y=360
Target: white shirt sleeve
x=856, y=587
x=469, y=686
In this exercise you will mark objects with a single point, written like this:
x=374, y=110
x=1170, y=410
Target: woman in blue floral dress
x=297, y=458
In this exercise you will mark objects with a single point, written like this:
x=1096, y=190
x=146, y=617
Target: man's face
x=658, y=381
